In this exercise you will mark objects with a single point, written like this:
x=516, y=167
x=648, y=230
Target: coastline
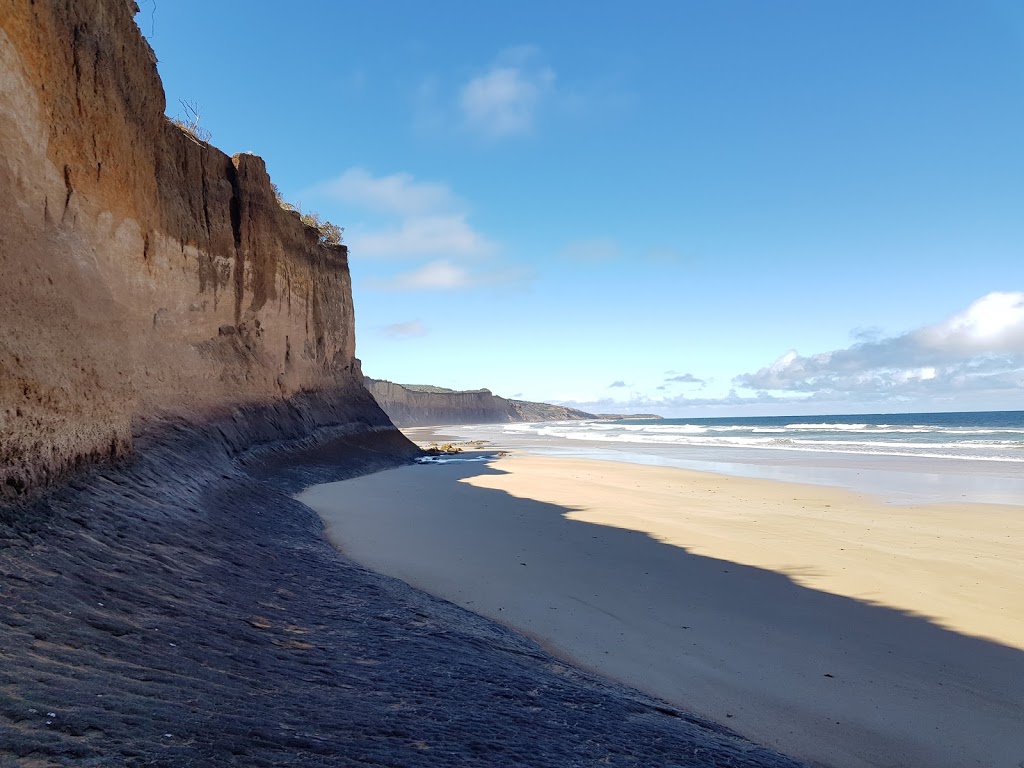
x=847, y=635
x=181, y=608
x=894, y=478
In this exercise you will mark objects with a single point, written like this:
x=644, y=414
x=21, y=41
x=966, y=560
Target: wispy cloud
x=444, y=275
x=416, y=218
x=666, y=406
x=979, y=348
x=592, y=250
x=511, y=97
x=436, y=276
x=685, y=378
x=433, y=235
x=616, y=384
x=406, y=330
x=972, y=359
x=397, y=193
x=504, y=100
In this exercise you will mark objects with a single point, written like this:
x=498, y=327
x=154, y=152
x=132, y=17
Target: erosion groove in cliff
x=144, y=274
x=185, y=610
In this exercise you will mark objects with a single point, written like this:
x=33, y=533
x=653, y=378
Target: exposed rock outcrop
x=419, y=405
x=529, y=411
x=145, y=276
x=182, y=609
x=408, y=406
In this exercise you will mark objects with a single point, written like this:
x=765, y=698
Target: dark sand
x=185, y=611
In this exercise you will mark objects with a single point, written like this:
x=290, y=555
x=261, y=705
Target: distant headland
x=416, y=405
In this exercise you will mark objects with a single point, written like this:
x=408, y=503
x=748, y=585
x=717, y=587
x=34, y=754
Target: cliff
x=408, y=407
x=529, y=411
x=146, y=277
x=421, y=405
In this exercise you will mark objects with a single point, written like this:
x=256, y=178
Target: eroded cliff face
x=410, y=406
x=144, y=275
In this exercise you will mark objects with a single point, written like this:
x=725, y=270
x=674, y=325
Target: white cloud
x=618, y=383
x=972, y=360
x=993, y=323
x=980, y=348
x=406, y=330
x=398, y=193
x=440, y=235
x=504, y=100
x=443, y=275
x=423, y=220
x=426, y=217
x=436, y=276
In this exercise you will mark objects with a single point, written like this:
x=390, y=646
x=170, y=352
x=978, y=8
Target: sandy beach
x=830, y=625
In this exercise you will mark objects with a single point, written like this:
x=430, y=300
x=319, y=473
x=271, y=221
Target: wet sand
x=824, y=623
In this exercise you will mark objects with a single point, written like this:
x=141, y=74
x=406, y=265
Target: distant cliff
x=422, y=405
x=145, y=276
x=547, y=412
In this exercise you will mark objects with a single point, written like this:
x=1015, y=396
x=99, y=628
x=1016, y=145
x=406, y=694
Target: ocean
x=984, y=436
x=906, y=457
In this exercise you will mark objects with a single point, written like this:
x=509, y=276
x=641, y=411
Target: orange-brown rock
x=143, y=273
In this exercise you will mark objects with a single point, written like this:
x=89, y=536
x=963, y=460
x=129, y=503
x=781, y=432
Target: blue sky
x=684, y=207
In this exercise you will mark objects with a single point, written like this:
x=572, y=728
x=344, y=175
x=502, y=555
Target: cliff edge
x=410, y=405
x=145, y=276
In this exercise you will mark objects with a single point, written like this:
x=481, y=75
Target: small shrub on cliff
x=330, y=234
x=280, y=198
x=190, y=123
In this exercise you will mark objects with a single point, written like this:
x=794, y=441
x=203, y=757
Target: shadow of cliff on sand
x=828, y=677
x=182, y=610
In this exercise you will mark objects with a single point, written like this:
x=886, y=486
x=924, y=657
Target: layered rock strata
x=145, y=276
x=181, y=608
x=411, y=405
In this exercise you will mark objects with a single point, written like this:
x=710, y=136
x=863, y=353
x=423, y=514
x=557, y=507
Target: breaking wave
x=965, y=440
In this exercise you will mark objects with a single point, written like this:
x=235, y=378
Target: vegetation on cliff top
x=190, y=123
x=330, y=233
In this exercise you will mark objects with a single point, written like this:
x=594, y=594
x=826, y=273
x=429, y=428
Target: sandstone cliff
x=407, y=406
x=529, y=411
x=414, y=405
x=145, y=276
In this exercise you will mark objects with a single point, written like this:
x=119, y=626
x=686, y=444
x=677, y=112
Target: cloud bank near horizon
x=973, y=359
x=979, y=348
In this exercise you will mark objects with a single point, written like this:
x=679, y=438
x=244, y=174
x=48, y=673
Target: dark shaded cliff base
x=185, y=611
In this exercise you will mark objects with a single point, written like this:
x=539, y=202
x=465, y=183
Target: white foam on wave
x=824, y=427
x=782, y=438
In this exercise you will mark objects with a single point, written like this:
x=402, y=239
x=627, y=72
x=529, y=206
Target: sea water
x=975, y=456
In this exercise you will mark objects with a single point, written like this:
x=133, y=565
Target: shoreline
x=723, y=616
x=182, y=609
x=893, y=478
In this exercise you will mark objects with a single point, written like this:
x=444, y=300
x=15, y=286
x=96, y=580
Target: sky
x=689, y=208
